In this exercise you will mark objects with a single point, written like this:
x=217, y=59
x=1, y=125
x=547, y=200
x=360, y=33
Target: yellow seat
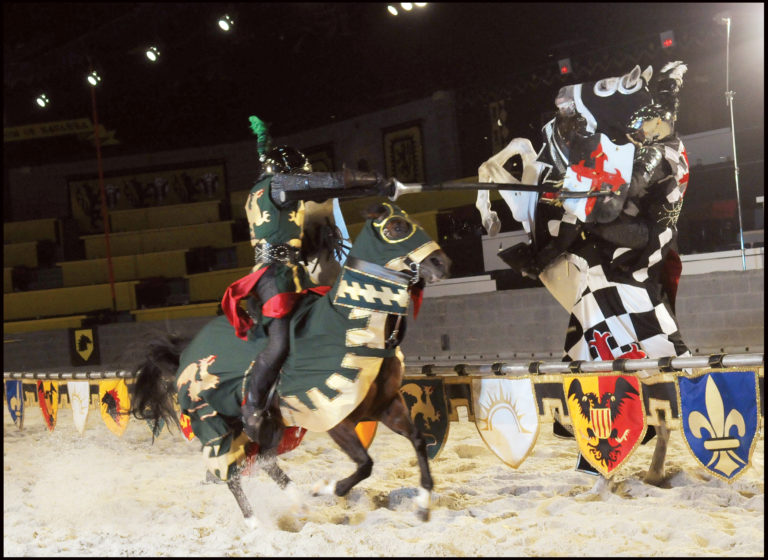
x=23, y=253
x=216, y=234
x=208, y=309
x=31, y=230
x=7, y=280
x=67, y=301
x=34, y=325
x=169, y=264
x=210, y=286
x=155, y=217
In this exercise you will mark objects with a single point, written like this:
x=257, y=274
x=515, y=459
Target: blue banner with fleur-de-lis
x=719, y=419
x=14, y=396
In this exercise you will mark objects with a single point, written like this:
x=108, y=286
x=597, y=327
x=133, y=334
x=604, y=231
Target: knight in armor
x=275, y=221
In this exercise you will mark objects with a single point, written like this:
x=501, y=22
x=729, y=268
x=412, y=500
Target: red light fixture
x=667, y=39
x=564, y=65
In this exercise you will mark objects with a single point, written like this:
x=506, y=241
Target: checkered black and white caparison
x=621, y=311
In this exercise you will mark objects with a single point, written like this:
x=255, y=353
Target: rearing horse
x=344, y=366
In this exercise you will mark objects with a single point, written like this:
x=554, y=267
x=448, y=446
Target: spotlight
x=392, y=10
x=42, y=100
x=93, y=78
x=407, y=6
x=226, y=22
x=152, y=53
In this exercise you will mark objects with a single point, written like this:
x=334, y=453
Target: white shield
x=506, y=417
x=79, y=399
x=612, y=166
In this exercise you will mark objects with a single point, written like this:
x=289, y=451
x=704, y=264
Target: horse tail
x=154, y=391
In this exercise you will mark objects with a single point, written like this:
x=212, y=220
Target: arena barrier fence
x=715, y=401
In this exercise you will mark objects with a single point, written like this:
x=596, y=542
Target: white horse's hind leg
x=655, y=473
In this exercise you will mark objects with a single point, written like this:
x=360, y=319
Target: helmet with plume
x=278, y=159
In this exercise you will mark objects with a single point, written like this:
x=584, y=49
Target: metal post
x=104, y=216
x=729, y=102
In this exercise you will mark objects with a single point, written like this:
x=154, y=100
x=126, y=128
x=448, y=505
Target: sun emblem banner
x=719, y=419
x=79, y=393
x=506, y=417
x=608, y=418
x=425, y=399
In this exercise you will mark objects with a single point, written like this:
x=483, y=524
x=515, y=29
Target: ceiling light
x=420, y=4
x=407, y=6
x=42, y=100
x=392, y=10
x=93, y=78
x=226, y=22
x=152, y=53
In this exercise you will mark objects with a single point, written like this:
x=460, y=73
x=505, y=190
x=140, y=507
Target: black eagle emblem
x=604, y=451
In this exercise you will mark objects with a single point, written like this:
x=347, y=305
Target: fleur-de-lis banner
x=719, y=419
x=15, y=398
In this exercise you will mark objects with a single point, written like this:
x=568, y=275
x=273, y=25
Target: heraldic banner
x=719, y=419
x=608, y=418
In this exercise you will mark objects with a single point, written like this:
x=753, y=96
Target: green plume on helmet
x=264, y=140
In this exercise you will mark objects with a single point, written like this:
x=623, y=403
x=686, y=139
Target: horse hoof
x=422, y=514
x=295, y=498
x=324, y=488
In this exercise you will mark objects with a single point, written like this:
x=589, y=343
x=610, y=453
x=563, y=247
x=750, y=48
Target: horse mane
x=154, y=391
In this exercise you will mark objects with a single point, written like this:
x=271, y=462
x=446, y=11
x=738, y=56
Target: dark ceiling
x=296, y=65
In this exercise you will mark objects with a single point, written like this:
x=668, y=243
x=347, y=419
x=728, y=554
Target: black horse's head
x=390, y=238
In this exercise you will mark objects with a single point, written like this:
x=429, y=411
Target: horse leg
x=396, y=418
x=277, y=474
x=237, y=491
x=345, y=437
x=655, y=474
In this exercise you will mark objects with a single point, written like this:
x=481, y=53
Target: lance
x=393, y=189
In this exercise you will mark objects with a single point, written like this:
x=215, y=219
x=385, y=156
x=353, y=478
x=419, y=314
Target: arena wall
x=718, y=312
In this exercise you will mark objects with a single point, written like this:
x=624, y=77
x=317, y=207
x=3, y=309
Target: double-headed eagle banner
x=608, y=418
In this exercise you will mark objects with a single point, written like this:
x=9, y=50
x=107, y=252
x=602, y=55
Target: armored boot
x=255, y=408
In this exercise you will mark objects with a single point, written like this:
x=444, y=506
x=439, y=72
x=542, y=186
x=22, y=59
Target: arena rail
x=512, y=369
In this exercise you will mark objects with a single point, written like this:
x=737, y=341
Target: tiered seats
x=167, y=262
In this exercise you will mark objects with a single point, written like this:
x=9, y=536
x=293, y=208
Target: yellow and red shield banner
x=608, y=418
x=115, y=404
x=48, y=397
x=186, y=427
